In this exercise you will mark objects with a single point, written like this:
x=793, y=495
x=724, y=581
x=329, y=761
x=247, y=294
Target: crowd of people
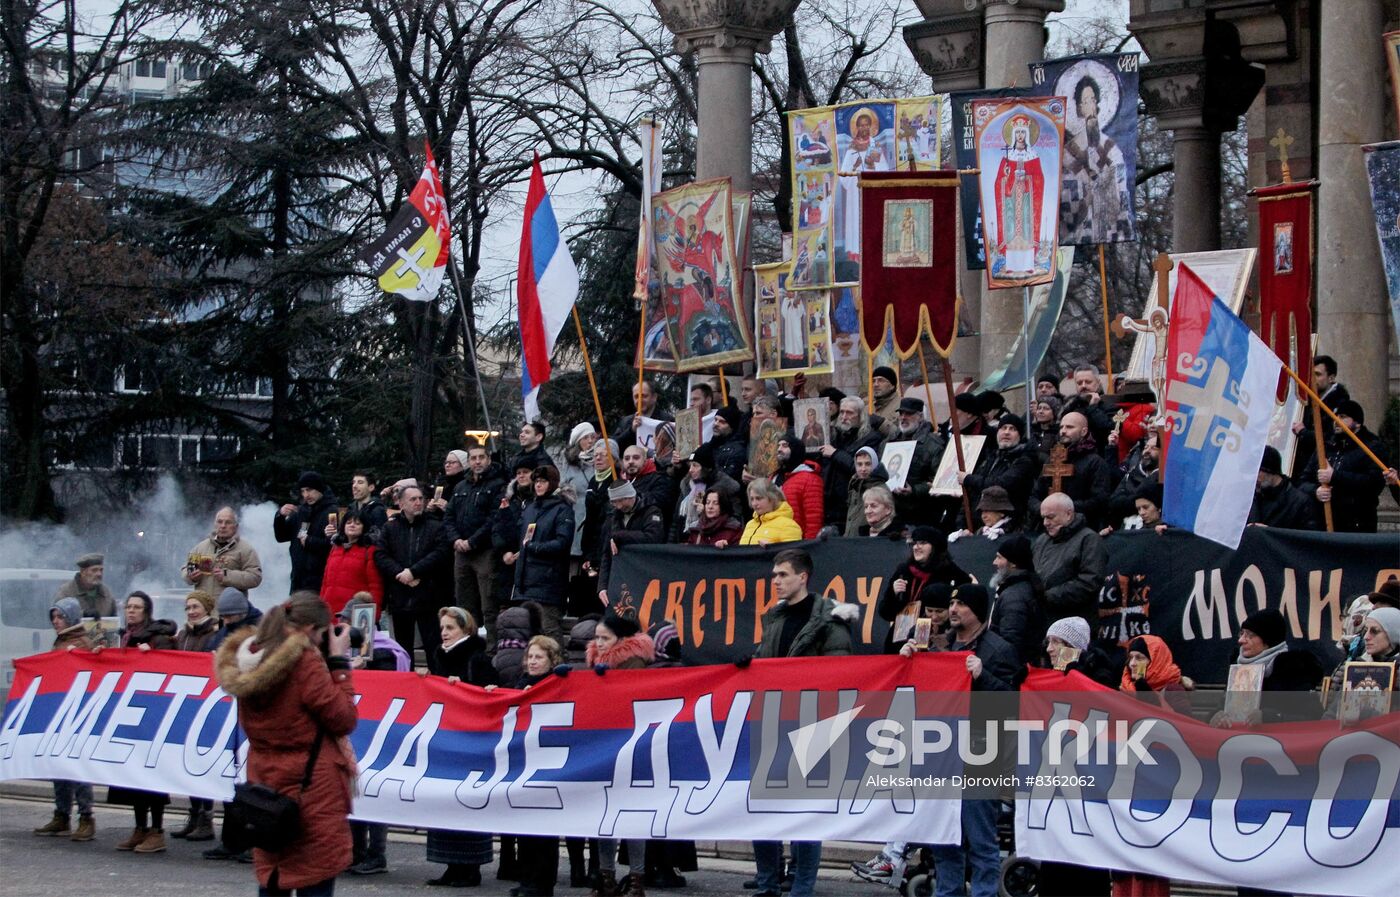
x=499, y=573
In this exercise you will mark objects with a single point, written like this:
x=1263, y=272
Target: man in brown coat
x=223, y=559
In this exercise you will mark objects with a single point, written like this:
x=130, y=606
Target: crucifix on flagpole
x=1281, y=142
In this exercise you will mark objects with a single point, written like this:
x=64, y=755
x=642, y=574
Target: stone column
x=1196, y=192
x=1015, y=38
x=1352, y=317
x=724, y=36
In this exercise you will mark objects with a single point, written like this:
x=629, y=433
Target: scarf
x=1266, y=657
x=1161, y=669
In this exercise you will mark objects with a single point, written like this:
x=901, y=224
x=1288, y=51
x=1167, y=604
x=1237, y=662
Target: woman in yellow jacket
x=772, y=516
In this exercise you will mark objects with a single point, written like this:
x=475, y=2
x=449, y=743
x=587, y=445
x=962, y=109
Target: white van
x=25, y=598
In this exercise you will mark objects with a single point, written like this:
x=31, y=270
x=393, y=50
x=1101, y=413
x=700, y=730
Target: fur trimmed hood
x=245, y=672
x=633, y=652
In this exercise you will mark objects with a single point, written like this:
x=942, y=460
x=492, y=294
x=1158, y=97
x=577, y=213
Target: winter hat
x=874, y=455
x=1139, y=645
x=460, y=455
x=203, y=598
x=1268, y=624
x=231, y=601
x=621, y=626
x=704, y=456
x=974, y=596
x=991, y=400
x=1153, y=492
x=70, y=609
x=1352, y=409
x=994, y=498
x=833, y=394
x=547, y=472
x=1013, y=420
x=886, y=372
x=666, y=639
x=927, y=534
x=797, y=450
x=90, y=560
x=730, y=415
x=910, y=405
x=967, y=403
x=936, y=594
x=622, y=490
x=1272, y=462
x=310, y=479
x=1389, y=618
x=523, y=462
x=1073, y=631
x=1016, y=548
x=1054, y=402
x=579, y=431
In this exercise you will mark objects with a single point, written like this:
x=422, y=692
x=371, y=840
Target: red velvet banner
x=908, y=272
x=1285, y=272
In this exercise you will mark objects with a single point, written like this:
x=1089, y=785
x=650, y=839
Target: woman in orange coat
x=289, y=692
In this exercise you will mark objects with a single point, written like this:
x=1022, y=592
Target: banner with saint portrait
x=965, y=156
x=793, y=326
x=831, y=146
x=1019, y=146
x=699, y=279
x=1285, y=273
x=1100, y=154
x=1383, y=168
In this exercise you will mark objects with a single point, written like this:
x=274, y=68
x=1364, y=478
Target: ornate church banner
x=965, y=156
x=700, y=282
x=1100, y=161
x=831, y=147
x=1285, y=272
x=1383, y=167
x=794, y=326
x=909, y=273
x=1019, y=147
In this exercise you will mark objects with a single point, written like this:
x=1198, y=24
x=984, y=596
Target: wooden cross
x=1282, y=142
x=1057, y=468
x=1118, y=419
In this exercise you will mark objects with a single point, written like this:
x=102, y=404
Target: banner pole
x=471, y=350
x=1336, y=420
x=1107, y=345
x=869, y=379
x=593, y=387
x=954, y=435
x=723, y=389
x=1321, y=449
x=1026, y=353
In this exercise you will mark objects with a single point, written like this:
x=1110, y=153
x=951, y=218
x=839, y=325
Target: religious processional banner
x=700, y=281
x=794, y=327
x=1116, y=781
x=411, y=257
x=1047, y=301
x=831, y=147
x=1099, y=174
x=1019, y=146
x=1383, y=168
x=1285, y=273
x=965, y=157
x=909, y=272
x=1190, y=591
x=700, y=753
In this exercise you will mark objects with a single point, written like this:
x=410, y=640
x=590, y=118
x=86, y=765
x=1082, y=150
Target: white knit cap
x=580, y=431
x=460, y=455
x=1073, y=631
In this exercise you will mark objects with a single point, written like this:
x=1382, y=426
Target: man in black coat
x=653, y=486
x=1353, y=482
x=1088, y=486
x=303, y=527
x=532, y=453
x=1018, y=613
x=469, y=516
x=364, y=494
x=412, y=553
x=1013, y=467
x=625, y=430
x=1278, y=502
x=1140, y=470
x=1333, y=394
x=850, y=433
x=546, y=543
x=731, y=447
x=634, y=521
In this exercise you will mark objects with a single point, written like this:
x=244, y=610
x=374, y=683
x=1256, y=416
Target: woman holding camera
x=296, y=700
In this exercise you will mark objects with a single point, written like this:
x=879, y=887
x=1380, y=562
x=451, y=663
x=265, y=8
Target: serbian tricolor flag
x=411, y=258
x=1220, y=381
x=546, y=287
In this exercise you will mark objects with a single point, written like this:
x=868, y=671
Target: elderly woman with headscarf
x=1151, y=672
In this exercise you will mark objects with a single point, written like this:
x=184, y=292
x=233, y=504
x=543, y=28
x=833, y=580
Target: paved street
x=53, y=867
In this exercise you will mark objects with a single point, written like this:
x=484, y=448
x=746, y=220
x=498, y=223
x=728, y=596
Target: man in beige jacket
x=223, y=559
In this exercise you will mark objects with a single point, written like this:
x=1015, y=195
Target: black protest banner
x=1194, y=593
x=1190, y=591
x=717, y=598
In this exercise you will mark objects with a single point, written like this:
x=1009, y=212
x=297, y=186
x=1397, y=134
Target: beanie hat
x=730, y=415
x=1139, y=645
x=460, y=455
x=1152, y=491
x=991, y=400
x=1389, y=618
x=936, y=594
x=619, y=491
x=885, y=371
x=70, y=609
x=523, y=462
x=204, y=598
x=1268, y=624
x=579, y=431
x=231, y=601
x=1352, y=409
x=547, y=472
x=666, y=639
x=1272, y=462
x=1013, y=420
x=1073, y=631
x=1017, y=549
x=925, y=533
x=1054, y=402
x=974, y=596
x=621, y=626
x=704, y=456
x=968, y=403
x=310, y=479
x=797, y=450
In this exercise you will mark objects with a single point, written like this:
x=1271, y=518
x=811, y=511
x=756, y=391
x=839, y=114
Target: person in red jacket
x=350, y=567
x=800, y=479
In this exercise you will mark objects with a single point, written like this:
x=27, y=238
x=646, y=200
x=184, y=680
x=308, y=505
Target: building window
x=131, y=379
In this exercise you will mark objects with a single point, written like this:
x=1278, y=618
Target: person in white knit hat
x=1068, y=647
